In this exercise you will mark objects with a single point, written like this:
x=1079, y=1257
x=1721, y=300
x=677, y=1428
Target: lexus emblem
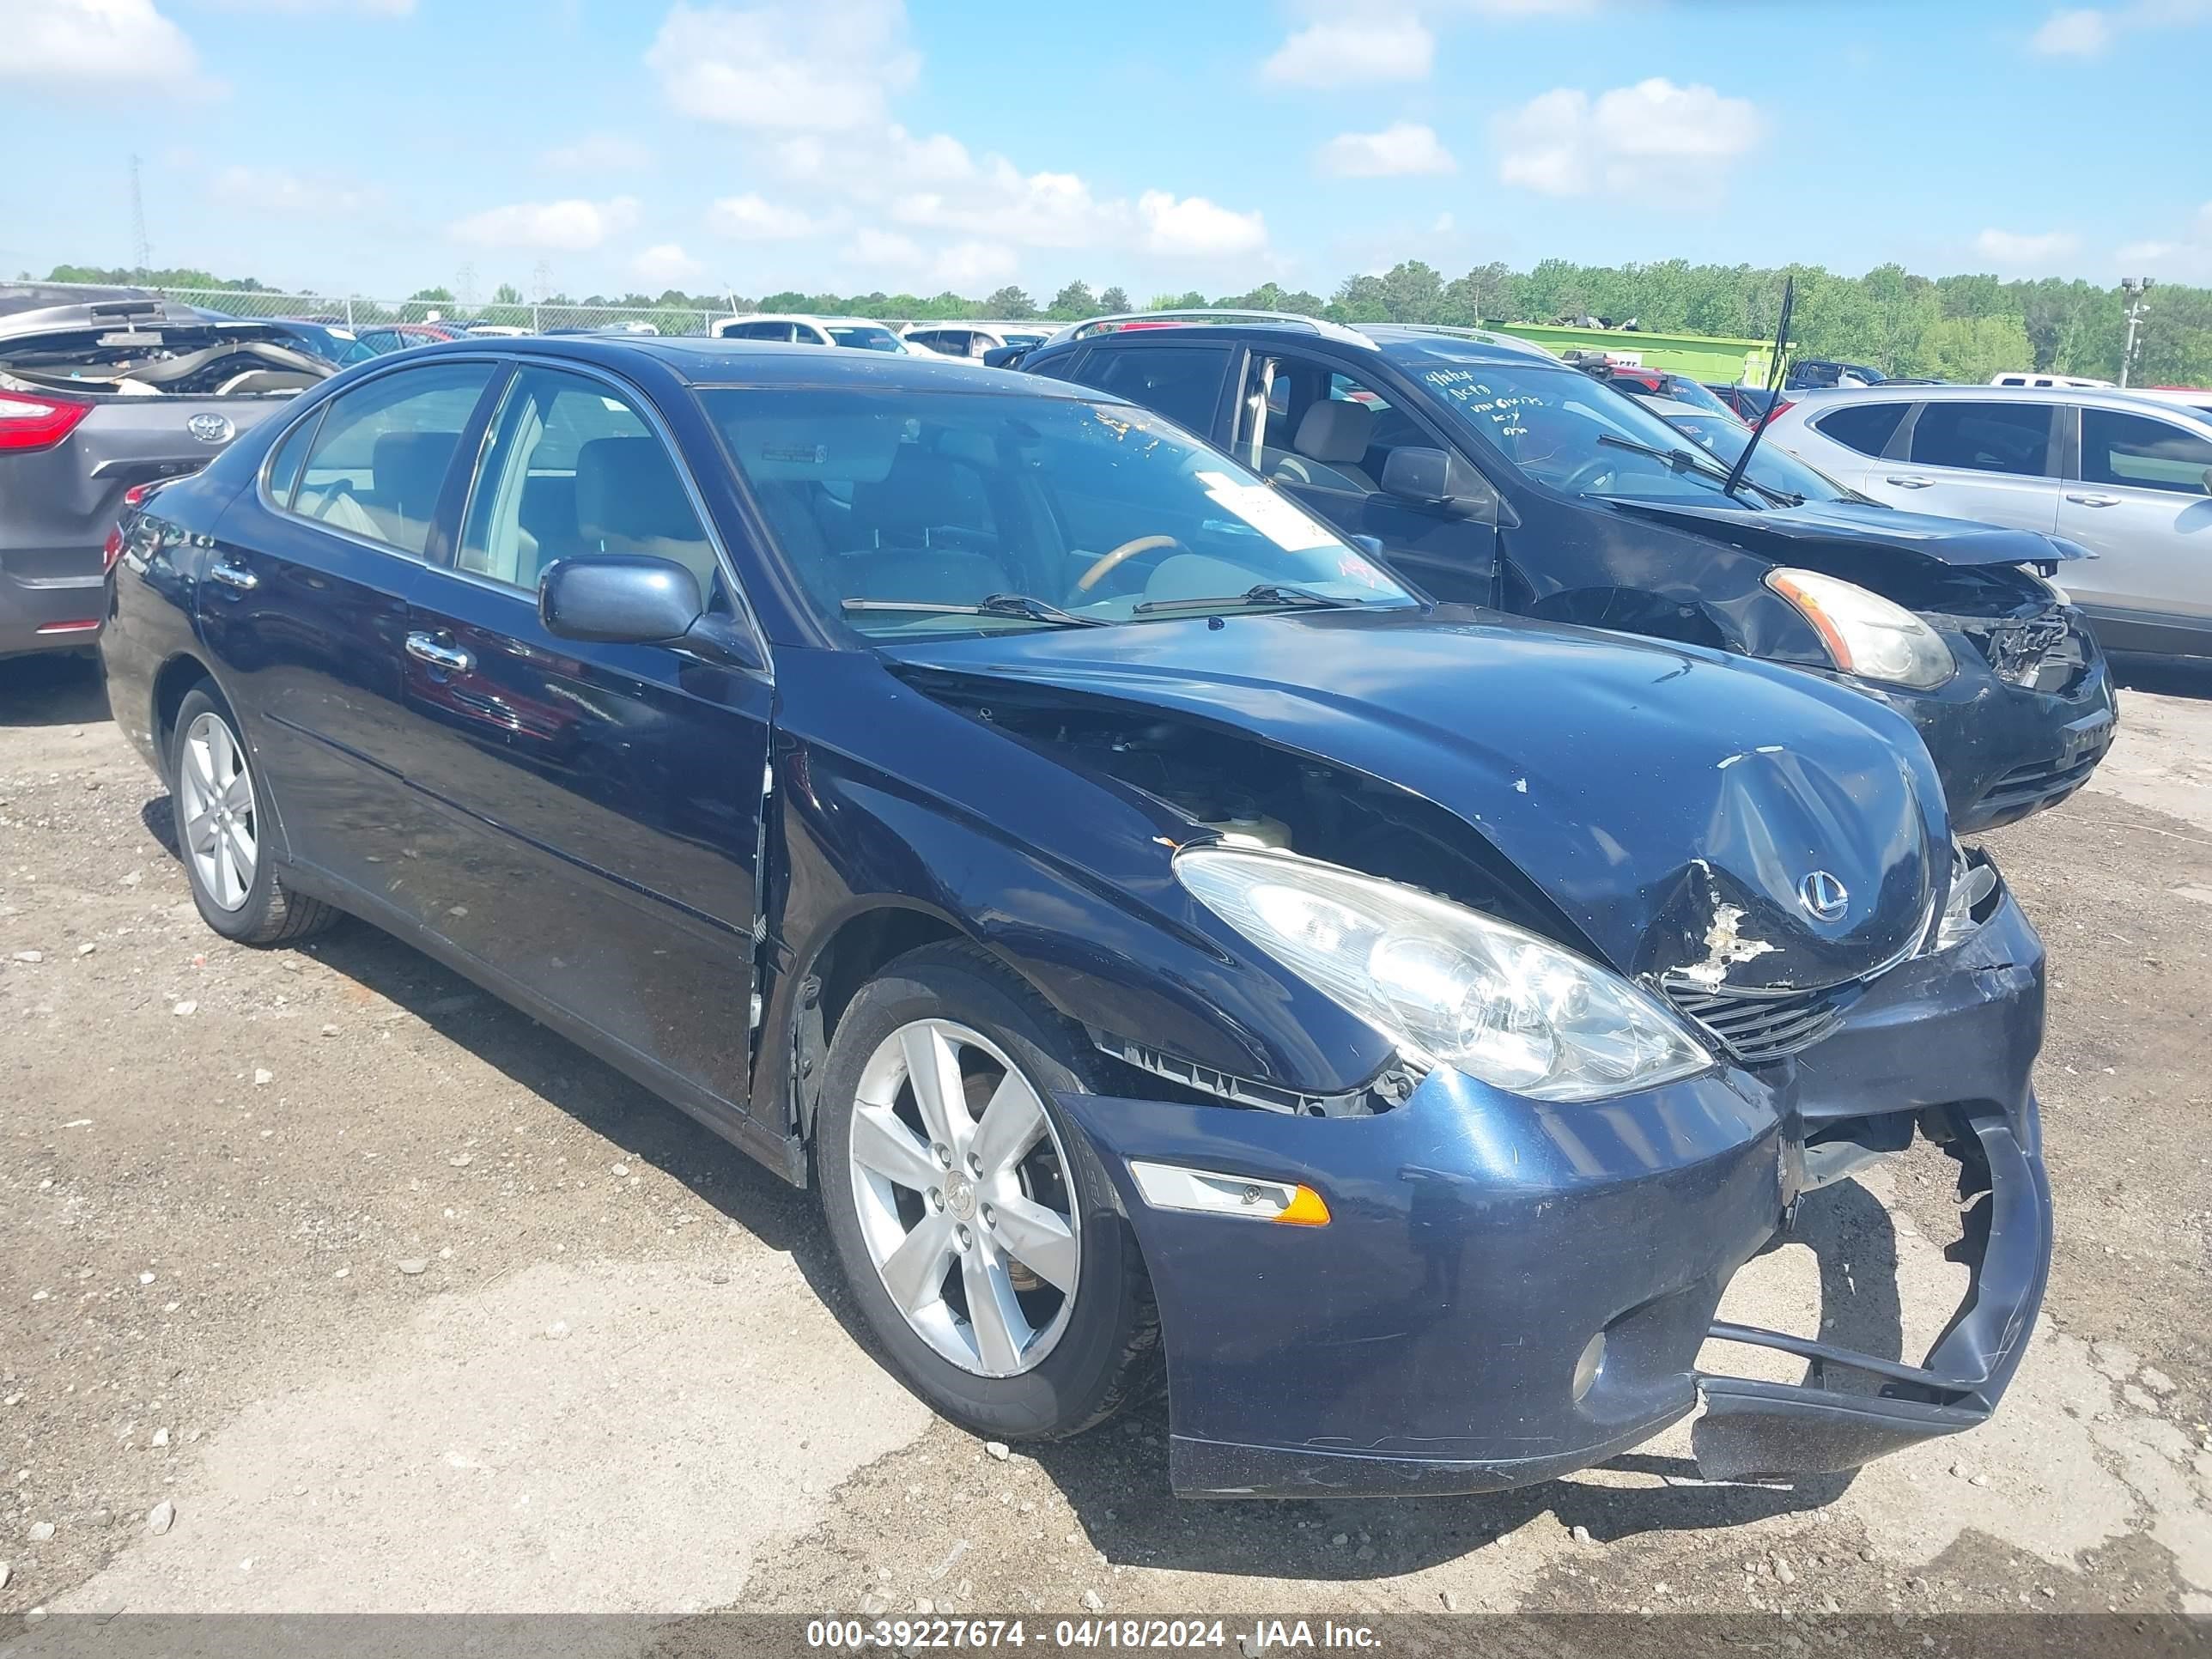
x=1824, y=897
x=211, y=428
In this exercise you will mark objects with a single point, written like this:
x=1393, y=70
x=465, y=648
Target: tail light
x=113, y=548
x=1774, y=411
x=28, y=421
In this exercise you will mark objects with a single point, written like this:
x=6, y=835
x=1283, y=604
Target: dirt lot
x=400, y=1302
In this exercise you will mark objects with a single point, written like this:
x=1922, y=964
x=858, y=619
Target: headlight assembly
x=1449, y=986
x=1867, y=635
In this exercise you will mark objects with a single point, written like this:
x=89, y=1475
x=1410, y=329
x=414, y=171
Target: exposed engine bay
x=214, y=361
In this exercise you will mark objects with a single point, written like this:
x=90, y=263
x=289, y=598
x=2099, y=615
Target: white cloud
x=2147, y=252
x=2012, y=251
x=1400, y=149
x=965, y=265
x=1354, y=50
x=75, y=48
x=820, y=66
x=2090, y=31
x=572, y=226
x=665, y=264
x=1565, y=142
x=300, y=7
x=752, y=218
x=2080, y=34
x=1195, y=227
x=273, y=189
x=598, y=152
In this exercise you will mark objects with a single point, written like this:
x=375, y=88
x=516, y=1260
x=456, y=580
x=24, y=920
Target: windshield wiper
x=1682, y=460
x=1271, y=593
x=991, y=605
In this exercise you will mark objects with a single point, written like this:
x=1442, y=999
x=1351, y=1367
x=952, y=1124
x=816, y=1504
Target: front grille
x=1759, y=1026
x=2038, y=784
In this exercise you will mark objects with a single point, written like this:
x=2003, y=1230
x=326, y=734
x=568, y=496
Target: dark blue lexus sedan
x=1158, y=935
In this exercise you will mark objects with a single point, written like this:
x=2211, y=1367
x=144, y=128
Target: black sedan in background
x=1489, y=473
x=1155, y=930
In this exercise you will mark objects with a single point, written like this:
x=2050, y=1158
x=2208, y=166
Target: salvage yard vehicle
x=1489, y=474
x=104, y=392
x=2127, y=475
x=1155, y=930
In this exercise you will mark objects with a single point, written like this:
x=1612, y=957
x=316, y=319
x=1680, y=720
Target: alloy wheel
x=964, y=1197
x=220, y=829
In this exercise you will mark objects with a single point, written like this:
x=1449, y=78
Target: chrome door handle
x=424, y=647
x=231, y=575
x=1908, y=482
x=2095, y=500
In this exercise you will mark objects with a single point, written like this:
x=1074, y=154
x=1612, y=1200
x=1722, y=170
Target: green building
x=1702, y=356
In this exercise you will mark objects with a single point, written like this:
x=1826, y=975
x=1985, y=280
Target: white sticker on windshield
x=1281, y=520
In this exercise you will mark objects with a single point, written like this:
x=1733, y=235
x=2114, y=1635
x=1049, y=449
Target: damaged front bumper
x=1508, y=1290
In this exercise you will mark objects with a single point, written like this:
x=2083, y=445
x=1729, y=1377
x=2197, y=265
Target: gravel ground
x=328, y=1283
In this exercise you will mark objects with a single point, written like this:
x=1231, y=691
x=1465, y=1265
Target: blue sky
x=378, y=146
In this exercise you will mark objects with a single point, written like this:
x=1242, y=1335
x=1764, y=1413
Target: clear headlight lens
x=1867, y=635
x=1449, y=986
x=1971, y=883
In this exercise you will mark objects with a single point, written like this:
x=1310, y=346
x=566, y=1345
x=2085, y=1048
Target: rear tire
x=225, y=833
x=1046, y=1360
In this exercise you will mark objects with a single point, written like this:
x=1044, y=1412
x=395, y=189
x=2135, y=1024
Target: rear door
x=1994, y=461
x=602, y=803
x=1185, y=380
x=304, y=604
x=2141, y=498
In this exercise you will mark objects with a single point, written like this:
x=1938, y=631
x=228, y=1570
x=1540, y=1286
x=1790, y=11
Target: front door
x=605, y=801
x=2142, y=503
x=1325, y=436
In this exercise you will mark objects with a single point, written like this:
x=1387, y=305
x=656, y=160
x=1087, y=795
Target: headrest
x=627, y=487
x=1336, y=431
x=409, y=467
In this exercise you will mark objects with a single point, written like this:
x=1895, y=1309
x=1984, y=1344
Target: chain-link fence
x=352, y=311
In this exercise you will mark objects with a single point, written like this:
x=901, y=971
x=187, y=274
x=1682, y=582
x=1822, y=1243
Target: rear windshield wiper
x=1271, y=593
x=1682, y=460
x=991, y=605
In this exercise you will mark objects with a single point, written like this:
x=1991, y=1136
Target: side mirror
x=621, y=601
x=1435, y=478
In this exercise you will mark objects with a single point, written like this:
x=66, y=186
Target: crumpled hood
x=1671, y=802
x=1948, y=541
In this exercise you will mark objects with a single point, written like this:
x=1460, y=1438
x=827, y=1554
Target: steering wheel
x=338, y=487
x=1129, y=550
x=1587, y=476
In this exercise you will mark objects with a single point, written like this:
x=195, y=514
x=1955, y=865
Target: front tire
x=975, y=1226
x=225, y=832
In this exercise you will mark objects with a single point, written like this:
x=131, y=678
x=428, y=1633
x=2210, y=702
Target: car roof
x=701, y=362
x=1811, y=402
x=1397, y=342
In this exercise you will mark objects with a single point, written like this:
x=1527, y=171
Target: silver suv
x=2129, y=476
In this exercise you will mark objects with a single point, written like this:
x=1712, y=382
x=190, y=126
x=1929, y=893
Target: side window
x=1304, y=422
x=2143, y=453
x=1182, y=382
x=2010, y=438
x=1867, y=427
x=284, y=466
x=570, y=470
x=379, y=458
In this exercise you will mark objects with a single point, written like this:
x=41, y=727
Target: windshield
x=1566, y=430
x=334, y=345
x=864, y=337
x=896, y=508
x=1771, y=464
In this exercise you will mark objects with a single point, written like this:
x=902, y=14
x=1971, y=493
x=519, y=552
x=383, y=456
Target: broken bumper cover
x=1508, y=1290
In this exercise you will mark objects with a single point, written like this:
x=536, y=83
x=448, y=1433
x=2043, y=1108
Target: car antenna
x=1773, y=388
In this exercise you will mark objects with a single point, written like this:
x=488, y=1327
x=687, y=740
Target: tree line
x=1955, y=328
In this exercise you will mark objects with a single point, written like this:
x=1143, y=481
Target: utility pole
x=2137, y=289
x=141, y=253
